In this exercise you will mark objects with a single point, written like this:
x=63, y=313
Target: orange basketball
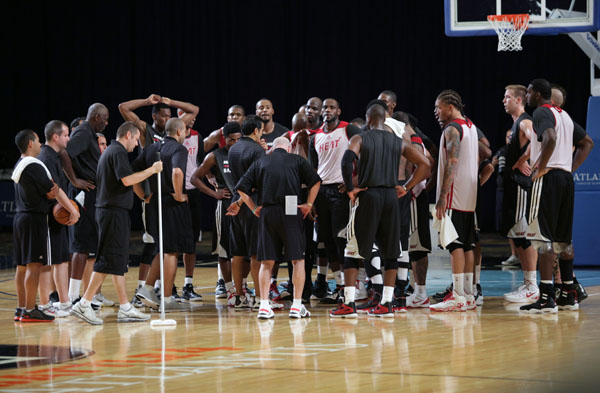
x=62, y=215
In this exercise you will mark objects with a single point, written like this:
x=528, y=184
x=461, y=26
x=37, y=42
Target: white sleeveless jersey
x=330, y=147
x=192, y=144
x=463, y=190
x=562, y=157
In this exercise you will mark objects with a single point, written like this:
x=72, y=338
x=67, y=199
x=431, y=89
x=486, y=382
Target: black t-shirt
x=152, y=135
x=277, y=175
x=578, y=133
x=172, y=154
x=379, y=159
x=31, y=190
x=278, y=131
x=50, y=158
x=514, y=151
x=112, y=167
x=241, y=155
x=543, y=118
x=222, y=171
x=84, y=151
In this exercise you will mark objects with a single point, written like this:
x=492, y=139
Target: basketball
x=61, y=215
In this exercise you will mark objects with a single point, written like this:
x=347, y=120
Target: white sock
x=125, y=307
x=377, y=279
x=74, y=287
x=402, y=274
x=84, y=302
x=468, y=283
x=531, y=277
x=474, y=289
x=157, y=284
x=549, y=282
x=459, y=281
x=386, y=297
x=297, y=303
x=228, y=286
x=189, y=280
x=149, y=287
x=219, y=272
x=322, y=270
x=421, y=291
x=477, y=274
x=265, y=304
x=141, y=283
x=343, y=278
x=338, y=277
x=273, y=280
x=349, y=294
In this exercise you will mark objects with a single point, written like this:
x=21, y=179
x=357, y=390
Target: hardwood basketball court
x=216, y=349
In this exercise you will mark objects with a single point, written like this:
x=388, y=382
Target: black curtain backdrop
x=63, y=56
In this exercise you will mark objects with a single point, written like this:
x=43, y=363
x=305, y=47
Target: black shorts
x=114, y=229
x=30, y=238
x=420, y=236
x=220, y=234
x=195, y=203
x=280, y=235
x=243, y=233
x=333, y=210
x=83, y=237
x=404, y=217
x=59, y=241
x=464, y=225
x=515, y=210
x=551, y=209
x=177, y=227
x=374, y=218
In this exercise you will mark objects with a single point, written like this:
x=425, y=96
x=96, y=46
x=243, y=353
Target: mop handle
x=160, y=246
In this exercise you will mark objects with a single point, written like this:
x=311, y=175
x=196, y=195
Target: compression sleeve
x=347, y=161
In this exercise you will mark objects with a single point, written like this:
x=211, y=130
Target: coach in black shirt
x=278, y=179
x=243, y=234
x=57, y=137
x=79, y=161
x=114, y=200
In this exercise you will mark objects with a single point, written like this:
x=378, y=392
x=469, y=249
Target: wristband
x=309, y=204
x=254, y=210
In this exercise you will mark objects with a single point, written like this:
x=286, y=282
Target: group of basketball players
x=369, y=181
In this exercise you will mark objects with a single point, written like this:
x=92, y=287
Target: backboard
x=469, y=17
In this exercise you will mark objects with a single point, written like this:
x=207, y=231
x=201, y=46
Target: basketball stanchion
x=162, y=322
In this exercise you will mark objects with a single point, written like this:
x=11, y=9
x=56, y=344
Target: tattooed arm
x=452, y=140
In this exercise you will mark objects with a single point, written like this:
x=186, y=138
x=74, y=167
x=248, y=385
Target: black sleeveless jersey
x=379, y=159
x=514, y=150
x=221, y=170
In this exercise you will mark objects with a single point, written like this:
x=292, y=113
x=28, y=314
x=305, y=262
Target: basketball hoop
x=510, y=29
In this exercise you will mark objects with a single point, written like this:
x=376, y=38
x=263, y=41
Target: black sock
x=378, y=288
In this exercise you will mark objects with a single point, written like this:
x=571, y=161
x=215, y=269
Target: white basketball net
x=510, y=29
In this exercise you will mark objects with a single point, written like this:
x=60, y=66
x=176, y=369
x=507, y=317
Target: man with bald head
x=216, y=138
x=272, y=129
x=278, y=180
x=313, y=109
x=375, y=208
x=79, y=161
x=177, y=222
